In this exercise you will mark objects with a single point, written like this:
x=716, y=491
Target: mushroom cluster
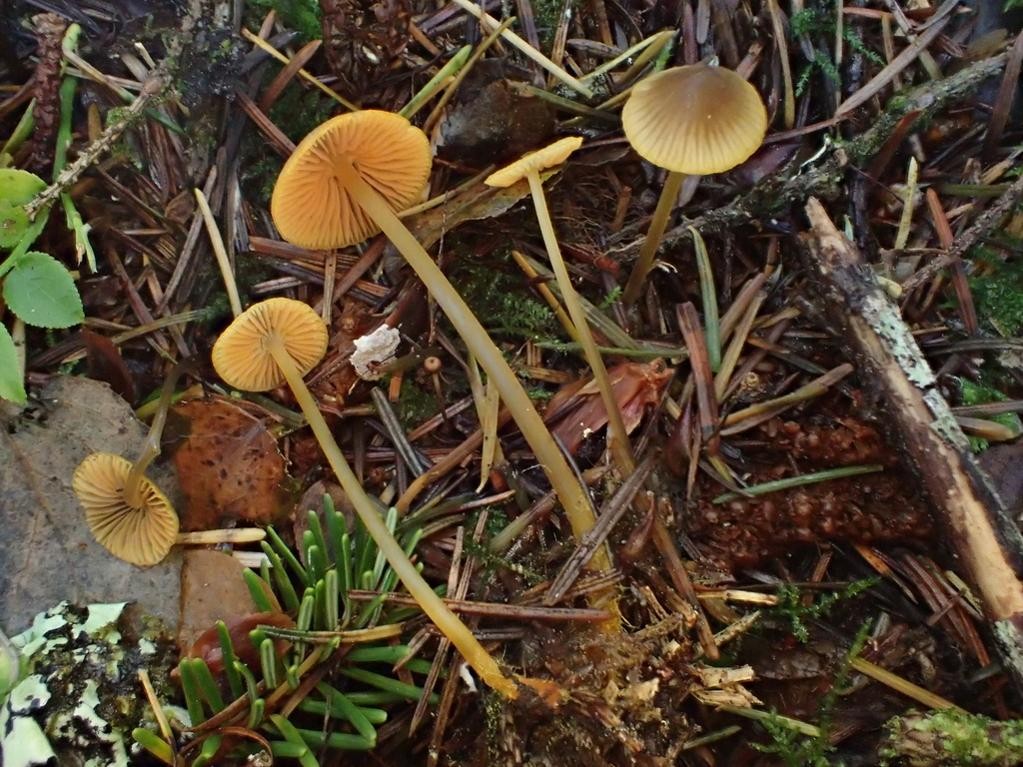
x=346, y=181
x=359, y=168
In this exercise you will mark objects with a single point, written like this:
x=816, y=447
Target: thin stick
x=802, y=480
x=760, y=716
x=908, y=203
x=689, y=325
x=885, y=76
x=904, y=686
x=220, y=252
x=154, y=704
x=709, y=298
x=511, y=612
x=612, y=513
x=454, y=64
x=449, y=92
x=526, y=49
x=724, y=375
x=786, y=68
x=261, y=43
x=656, y=40
x=89, y=155
x=230, y=535
x=740, y=420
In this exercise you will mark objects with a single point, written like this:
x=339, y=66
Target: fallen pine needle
x=803, y=479
x=904, y=686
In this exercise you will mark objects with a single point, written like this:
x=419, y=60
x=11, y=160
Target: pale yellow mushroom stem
x=659, y=222
x=151, y=447
x=443, y=618
x=617, y=436
x=568, y=488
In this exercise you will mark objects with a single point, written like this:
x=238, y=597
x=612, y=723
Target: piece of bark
x=977, y=525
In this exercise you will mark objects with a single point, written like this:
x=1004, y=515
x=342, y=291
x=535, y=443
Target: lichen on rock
x=78, y=697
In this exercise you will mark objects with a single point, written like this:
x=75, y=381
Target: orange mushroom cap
x=696, y=119
x=312, y=209
x=534, y=162
x=140, y=535
x=241, y=357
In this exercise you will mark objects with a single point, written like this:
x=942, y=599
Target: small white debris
x=466, y=675
x=374, y=350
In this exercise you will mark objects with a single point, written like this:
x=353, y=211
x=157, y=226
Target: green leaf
x=19, y=186
x=11, y=387
x=13, y=223
x=42, y=293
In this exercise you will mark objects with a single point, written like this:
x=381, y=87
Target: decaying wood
x=977, y=524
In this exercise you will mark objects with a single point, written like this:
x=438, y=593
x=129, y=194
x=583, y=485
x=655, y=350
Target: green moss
x=609, y=300
x=953, y=738
x=502, y=302
x=415, y=404
x=817, y=22
x=303, y=16
x=798, y=750
x=998, y=293
x=539, y=394
x=791, y=608
x=973, y=393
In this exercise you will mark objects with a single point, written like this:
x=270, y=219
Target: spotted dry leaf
x=228, y=465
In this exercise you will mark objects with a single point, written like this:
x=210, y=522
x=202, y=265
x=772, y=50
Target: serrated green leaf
x=11, y=386
x=42, y=293
x=13, y=223
x=19, y=186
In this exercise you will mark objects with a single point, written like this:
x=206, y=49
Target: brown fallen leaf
x=228, y=465
x=104, y=363
x=207, y=646
x=579, y=411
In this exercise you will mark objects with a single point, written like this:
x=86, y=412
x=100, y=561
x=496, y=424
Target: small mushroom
x=280, y=340
x=127, y=512
x=315, y=207
x=692, y=120
x=528, y=167
x=140, y=531
x=358, y=168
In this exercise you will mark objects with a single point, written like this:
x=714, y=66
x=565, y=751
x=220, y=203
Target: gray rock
x=47, y=554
